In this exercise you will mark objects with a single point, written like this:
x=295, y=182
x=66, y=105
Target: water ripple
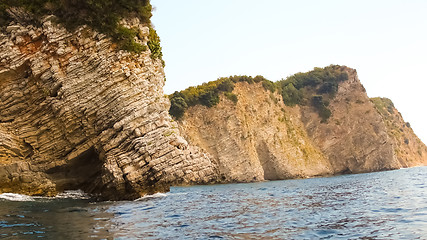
x=385, y=205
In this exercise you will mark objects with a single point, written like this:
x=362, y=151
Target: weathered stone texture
x=355, y=138
x=408, y=148
x=260, y=138
x=76, y=112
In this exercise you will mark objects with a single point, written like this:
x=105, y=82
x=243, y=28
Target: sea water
x=383, y=205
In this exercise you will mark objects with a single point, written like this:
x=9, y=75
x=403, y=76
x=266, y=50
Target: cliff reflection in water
x=383, y=205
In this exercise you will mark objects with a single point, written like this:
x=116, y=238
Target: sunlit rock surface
x=260, y=138
x=78, y=113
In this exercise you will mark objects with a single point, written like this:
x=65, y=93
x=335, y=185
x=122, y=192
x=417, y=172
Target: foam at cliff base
x=156, y=195
x=73, y=194
x=16, y=197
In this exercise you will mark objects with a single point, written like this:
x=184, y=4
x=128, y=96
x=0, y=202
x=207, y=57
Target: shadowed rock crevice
x=79, y=173
x=78, y=113
x=268, y=162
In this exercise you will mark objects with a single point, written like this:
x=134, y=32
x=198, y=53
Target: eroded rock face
x=408, y=148
x=355, y=137
x=260, y=138
x=77, y=113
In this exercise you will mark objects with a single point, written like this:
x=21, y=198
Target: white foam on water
x=156, y=195
x=16, y=197
x=73, y=194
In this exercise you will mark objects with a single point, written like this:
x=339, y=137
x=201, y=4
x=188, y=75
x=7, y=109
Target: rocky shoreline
x=76, y=112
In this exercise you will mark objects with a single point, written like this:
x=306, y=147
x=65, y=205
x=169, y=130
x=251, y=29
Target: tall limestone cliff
x=408, y=148
x=354, y=138
x=78, y=113
x=259, y=137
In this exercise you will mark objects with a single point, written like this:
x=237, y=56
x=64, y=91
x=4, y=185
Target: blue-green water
x=384, y=205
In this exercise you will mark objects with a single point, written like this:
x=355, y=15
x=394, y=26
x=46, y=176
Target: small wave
x=156, y=195
x=73, y=194
x=16, y=197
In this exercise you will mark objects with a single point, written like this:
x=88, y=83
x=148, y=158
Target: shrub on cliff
x=291, y=96
x=154, y=45
x=242, y=78
x=321, y=107
x=206, y=94
x=317, y=85
x=325, y=80
x=101, y=15
x=269, y=85
x=328, y=88
x=231, y=96
x=209, y=99
x=178, y=105
x=226, y=85
x=383, y=105
x=125, y=38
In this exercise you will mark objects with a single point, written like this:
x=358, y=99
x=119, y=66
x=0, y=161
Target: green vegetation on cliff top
x=207, y=94
x=315, y=88
x=102, y=15
x=383, y=105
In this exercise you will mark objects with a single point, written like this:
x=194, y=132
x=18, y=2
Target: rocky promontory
x=77, y=112
x=309, y=125
x=82, y=107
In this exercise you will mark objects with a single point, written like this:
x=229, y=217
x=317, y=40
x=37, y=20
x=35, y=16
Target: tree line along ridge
x=315, y=88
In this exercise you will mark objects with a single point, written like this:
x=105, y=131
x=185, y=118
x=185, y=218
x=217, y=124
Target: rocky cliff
x=259, y=137
x=78, y=113
x=408, y=148
x=354, y=138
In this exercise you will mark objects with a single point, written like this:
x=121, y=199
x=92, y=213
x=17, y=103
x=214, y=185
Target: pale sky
x=385, y=40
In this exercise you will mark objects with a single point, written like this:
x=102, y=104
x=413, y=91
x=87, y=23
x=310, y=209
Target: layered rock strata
x=260, y=138
x=78, y=113
x=408, y=148
x=355, y=137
